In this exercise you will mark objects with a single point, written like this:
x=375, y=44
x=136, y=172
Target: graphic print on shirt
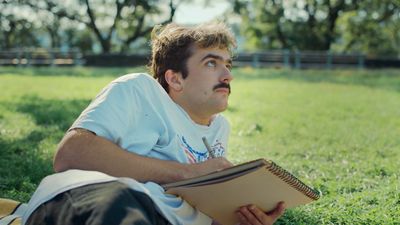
x=218, y=149
x=195, y=156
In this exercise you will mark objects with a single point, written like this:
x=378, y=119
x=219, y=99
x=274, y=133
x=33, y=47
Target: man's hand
x=208, y=166
x=252, y=215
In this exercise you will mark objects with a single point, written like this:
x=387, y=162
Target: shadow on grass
x=26, y=160
x=61, y=113
x=22, y=165
x=382, y=79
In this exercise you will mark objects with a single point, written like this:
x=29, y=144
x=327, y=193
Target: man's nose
x=227, y=76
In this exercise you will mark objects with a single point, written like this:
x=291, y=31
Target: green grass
x=336, y=130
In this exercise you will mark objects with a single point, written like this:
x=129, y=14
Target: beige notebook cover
x=258, y=182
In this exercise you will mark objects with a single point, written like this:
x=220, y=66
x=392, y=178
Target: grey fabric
x=111, y=203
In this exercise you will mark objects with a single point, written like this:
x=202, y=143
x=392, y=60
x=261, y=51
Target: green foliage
x=14, y=30
x=112, y=25
x=371, y=26
x=371, y=31
x=336, y=130
x=82, y=40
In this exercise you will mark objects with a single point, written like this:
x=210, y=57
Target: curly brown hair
x=172, y=45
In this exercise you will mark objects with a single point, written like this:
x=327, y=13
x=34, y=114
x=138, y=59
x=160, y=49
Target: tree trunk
x=105, y=42
x=139, y=32
x=333, y=15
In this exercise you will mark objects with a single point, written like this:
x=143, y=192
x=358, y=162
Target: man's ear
x=174, y=80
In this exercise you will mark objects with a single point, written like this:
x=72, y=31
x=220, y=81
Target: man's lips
x=225, y=90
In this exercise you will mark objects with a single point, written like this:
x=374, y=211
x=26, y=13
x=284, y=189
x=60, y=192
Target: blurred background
x=278, y=33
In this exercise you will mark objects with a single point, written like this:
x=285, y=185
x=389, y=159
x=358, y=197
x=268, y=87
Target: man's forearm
x=81, y=149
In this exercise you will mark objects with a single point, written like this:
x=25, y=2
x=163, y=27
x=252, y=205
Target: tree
x=79, y=39
x=317, y=24
x=374, y=29
x=112, y=22
x=23, y=27
x=308, y=24
x=15, y=31
x=262, y=22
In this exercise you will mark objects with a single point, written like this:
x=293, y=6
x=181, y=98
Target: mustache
x=223, y=85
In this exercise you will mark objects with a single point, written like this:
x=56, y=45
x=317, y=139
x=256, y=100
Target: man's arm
x=82, y=149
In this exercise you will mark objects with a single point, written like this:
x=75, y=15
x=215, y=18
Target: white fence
x=269, y=58
x=298, y=60
x=40, y=57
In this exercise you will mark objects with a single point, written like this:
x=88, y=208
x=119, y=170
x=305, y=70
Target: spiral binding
x=292, y=180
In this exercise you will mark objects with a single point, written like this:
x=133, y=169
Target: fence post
x=297, y=59
x=28, y=57
x=52, y=58
x=19, y=57
x=77, y=57
x=256, y=60
x=286, y=58
x=361, y=61
x=329, y=60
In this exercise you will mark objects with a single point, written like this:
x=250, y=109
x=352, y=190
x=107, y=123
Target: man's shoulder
x=221, y=120
x=137, y=81
x=140, y=84
x=135, y=77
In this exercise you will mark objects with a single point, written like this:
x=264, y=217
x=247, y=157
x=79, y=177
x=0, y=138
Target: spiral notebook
x=260, y=182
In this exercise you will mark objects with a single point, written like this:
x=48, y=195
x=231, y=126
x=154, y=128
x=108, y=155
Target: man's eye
x=211, y=64
x=229, y=67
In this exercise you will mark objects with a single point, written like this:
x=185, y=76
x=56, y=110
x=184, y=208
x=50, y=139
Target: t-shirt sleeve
x=111, y=113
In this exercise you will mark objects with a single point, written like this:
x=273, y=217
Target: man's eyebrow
x=216, y=57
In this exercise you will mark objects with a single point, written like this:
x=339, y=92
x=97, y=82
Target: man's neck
x=201, y=120
x=196, y=114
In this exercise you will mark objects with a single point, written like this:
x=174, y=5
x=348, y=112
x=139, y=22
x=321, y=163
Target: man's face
x=207, y=87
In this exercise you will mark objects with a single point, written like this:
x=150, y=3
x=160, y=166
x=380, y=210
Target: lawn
x=336, y=130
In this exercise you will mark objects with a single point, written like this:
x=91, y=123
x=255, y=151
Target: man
x=139, y=133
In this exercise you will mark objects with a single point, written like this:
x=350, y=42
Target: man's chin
x=223, y=107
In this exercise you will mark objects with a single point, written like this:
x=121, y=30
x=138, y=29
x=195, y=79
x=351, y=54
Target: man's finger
x=278, y=211
x=242, y=218
x=249, y=216
x=258, y=213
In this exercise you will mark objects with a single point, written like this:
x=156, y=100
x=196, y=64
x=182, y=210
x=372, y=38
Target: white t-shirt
x=136, y=113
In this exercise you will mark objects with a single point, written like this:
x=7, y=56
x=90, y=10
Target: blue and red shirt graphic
x=200, y=155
